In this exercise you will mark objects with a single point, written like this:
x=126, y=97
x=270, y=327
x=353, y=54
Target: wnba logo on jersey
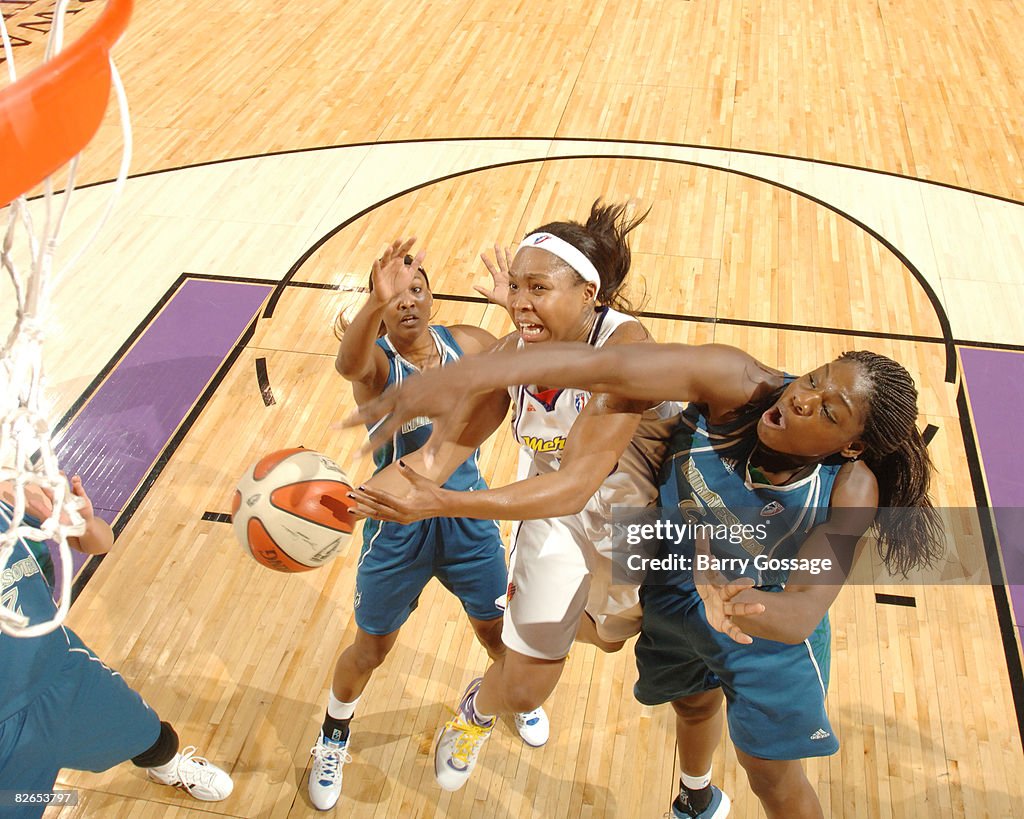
x=580, y=401
x=556, y=444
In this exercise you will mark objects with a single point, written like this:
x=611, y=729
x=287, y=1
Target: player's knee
x=488, y=632
x=698, y=708
x=765, y=787
x=771, y=781
x=369, y=656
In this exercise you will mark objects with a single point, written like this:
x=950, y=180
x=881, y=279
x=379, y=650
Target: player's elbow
x=795, y=636
x=343, y=367
x=798, y=629
x=350, y=369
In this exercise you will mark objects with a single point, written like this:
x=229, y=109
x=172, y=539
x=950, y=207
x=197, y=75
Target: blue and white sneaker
x=533, y=727
x=329, y=757
x=459, y=743
x=718, y=808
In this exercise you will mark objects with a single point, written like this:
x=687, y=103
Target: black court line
x=993, y=345
x=263, y=382
x=217, y=517
x=737, y=322
x=122, y=520
x=940, y=313
x=549, y=139
x=929, y=433
x=341, y=288
x=1000, y=597
x=108, y=368
x=895, y=600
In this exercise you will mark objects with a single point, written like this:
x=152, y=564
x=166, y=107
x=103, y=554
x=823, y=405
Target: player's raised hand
x=392, y=273
x=498, y=268
x=718, y=594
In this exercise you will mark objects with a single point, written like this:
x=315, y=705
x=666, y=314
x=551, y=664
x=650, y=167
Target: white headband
x=572, y=256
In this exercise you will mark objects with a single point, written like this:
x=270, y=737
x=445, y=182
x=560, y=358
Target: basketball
x=291, y=510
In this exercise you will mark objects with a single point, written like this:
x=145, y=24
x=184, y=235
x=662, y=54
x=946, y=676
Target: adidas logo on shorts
x=821, y=733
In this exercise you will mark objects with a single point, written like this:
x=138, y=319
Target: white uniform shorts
x=561, y=567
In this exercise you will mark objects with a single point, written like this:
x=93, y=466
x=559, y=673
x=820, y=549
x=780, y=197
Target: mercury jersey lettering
x=556, y=444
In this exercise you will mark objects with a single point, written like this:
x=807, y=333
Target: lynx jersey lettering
x=24, y=662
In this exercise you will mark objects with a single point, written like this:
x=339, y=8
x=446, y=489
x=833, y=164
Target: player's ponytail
x=897, y=455
x=603, y=240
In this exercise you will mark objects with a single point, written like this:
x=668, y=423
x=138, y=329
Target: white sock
x=336, y=709
x=478, y=718
x=695, y=783
x=168, y=767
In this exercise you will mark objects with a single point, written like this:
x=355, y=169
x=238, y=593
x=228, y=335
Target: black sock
x=336, y=730
x=160, y=752
x=693, y=802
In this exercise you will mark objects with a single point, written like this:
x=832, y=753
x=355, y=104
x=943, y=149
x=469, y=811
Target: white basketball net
x=28, y=464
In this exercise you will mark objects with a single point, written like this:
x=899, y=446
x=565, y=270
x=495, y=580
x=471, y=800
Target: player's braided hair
x=896, y=453
x=603, y=240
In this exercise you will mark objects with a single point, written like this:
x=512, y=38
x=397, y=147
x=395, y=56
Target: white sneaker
x=195, y=775
x=325, y=776
x=533, y=727
x=459, y=743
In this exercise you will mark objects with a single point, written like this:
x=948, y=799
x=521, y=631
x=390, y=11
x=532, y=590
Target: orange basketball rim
x=48, y=116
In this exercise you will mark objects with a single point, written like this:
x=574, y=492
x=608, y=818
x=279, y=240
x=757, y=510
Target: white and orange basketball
x=291, y=510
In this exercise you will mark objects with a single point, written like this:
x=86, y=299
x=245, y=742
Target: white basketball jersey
x=541, y=422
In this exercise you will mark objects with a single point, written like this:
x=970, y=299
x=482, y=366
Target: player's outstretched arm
x=714, y=374
x=98, y=537
x=594, y=446
x=408, y=490
x=599, y=436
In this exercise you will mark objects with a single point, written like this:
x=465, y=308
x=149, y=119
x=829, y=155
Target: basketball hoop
x=46, y=119
x=49, y=116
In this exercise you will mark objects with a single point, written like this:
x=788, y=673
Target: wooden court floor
x=821, y=177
